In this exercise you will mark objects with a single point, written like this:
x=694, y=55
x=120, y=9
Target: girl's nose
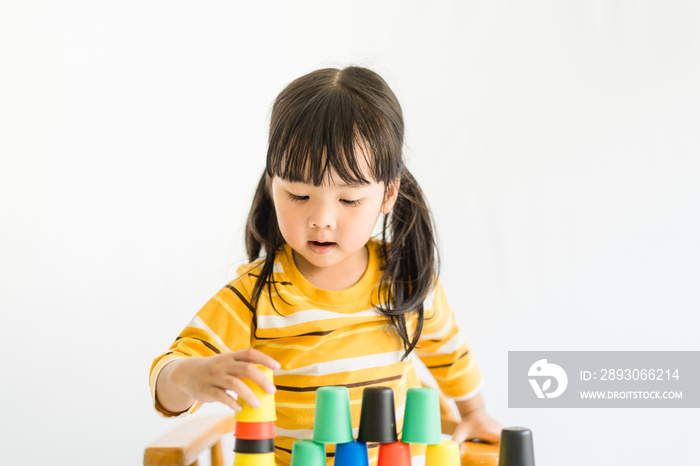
x=322, y=217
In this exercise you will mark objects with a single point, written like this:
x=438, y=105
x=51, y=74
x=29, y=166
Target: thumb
x=460, y=433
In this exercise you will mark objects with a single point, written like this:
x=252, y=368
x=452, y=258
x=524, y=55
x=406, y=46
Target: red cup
x=255, y=430
x=394, y=454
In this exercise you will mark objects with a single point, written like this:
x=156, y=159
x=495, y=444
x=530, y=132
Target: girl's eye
x=294, y=197
x=350, y=203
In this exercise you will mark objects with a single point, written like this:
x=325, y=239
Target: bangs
x=325, y=128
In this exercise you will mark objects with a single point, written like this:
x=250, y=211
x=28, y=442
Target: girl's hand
x=208, y=379
x=478, y=424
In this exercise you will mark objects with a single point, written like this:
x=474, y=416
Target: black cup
x=516, y=447
x=254, y=446
x=378, y=418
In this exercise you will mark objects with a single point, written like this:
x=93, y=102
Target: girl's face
x=328, y=226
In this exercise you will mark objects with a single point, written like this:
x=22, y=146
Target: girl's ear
x=392, y=193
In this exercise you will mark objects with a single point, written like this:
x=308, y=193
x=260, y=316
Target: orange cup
x=255, y=430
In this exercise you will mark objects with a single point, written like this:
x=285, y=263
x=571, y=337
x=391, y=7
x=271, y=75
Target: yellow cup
x=251, y=459
x=266, y=411
x=445, y=453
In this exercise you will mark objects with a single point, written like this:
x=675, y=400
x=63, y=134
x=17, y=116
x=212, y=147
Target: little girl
x=327, y=303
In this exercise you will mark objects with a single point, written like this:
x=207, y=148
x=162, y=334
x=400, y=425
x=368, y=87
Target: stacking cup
x=254, y=446
x=351, y=454
x=308, y=453
x=378, y=417
x=266, y=411
x=255, y=430
x=421, y=422
x=332, y=422
x=247, y=459
x=516, y=447
x=445, y=453
x=394, y=454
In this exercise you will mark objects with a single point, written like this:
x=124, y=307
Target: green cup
x=308, y=453
x=421, y=421
x=332, y=423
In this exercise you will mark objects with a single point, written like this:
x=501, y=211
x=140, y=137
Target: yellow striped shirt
x=322, y=338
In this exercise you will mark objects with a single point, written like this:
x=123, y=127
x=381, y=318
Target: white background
x=557, y=143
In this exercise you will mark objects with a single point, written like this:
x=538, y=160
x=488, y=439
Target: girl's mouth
x=319, y=247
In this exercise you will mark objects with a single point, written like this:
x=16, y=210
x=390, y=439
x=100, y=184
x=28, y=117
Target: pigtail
x=262, y=231
x=262, y=234
x=411, y=259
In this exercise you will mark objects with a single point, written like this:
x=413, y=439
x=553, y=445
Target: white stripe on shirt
x=345, y=365
x=439, y=333
x=452, y=345
x=197, y=322
x=304, y=317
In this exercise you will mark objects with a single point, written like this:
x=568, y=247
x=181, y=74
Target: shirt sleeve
x=222, y=325
x=444, y=351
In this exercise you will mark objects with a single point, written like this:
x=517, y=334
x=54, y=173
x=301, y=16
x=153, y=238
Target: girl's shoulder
x=247, y=275
x=251, y=266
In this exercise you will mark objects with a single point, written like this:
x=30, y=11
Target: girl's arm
x=475, y=422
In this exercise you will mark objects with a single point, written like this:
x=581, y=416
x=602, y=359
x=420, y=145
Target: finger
x=257, y=357
x=259, y=377
x=242, y=391
x=222, y=397
x=249, y=371
x=217, y=394
x=460, y=433
x=485, y=434
x=491, y=436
